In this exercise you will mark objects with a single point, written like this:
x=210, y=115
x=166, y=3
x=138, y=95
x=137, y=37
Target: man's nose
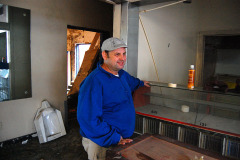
x=123, y=57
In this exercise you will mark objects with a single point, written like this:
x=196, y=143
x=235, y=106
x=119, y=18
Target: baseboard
x=23, y=140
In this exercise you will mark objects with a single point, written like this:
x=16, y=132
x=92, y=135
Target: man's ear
x=104, y=55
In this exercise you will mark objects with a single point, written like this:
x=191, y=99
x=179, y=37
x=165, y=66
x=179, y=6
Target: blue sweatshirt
x=105, y=109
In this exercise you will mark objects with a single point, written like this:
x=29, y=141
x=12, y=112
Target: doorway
x=221, y=60
x=83, y=50
x=78, y=42
x=218, y=59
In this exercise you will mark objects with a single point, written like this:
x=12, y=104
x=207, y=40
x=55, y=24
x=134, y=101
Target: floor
x=68, y=147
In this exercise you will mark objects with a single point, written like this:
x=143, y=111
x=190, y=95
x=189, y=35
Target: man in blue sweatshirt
x=105, y=109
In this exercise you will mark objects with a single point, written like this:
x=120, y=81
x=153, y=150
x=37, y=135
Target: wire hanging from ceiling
x=167, y=5
x=145, y=33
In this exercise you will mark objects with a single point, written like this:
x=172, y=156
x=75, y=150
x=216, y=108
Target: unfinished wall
x=78, y=36
x=172, y=33
x=49, y=20
x=75, y=36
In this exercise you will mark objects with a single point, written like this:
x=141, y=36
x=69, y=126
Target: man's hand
x=124, y=141
x=146, y=83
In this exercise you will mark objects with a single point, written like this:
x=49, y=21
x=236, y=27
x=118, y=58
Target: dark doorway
x=221, y=62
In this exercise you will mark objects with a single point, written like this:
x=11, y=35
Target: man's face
x=116, y=59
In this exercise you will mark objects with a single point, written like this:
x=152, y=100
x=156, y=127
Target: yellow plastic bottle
x=191, y=77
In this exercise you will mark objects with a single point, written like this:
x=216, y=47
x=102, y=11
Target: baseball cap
x=113, y=43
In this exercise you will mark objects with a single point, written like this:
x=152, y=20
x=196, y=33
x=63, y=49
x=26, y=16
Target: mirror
x=15, y=59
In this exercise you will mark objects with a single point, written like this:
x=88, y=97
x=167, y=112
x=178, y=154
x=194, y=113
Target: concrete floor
x=68, y=147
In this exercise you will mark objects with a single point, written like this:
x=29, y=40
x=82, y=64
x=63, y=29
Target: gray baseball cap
x=113, y=43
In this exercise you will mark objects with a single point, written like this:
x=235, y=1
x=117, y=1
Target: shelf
x=212, y=121
x=203, y=102
x=216, y=111
x=196, y=89
x=194, y=118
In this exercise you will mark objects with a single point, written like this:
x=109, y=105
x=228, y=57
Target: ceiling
x=139, y=2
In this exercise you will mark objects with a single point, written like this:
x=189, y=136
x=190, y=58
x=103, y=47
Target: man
x=105, y=110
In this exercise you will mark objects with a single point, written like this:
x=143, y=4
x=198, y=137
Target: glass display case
x=208, y=110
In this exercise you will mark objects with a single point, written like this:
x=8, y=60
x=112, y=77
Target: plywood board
x=153, y=148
